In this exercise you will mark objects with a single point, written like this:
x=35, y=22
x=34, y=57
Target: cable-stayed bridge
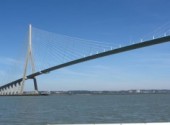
x=47, y=52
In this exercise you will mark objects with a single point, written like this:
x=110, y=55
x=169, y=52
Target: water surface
x=84, y=109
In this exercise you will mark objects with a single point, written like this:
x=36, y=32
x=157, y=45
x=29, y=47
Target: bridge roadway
x=91, y=57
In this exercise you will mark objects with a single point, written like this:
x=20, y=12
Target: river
x=42, y=110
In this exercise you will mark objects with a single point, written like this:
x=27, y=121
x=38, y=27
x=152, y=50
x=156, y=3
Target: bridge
x=16, y=87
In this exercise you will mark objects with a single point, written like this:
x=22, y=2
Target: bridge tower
x=29, y=58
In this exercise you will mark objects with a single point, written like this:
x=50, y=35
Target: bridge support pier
x=35, y=85
x=13, y=89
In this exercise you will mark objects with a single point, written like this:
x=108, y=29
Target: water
x=84, y=109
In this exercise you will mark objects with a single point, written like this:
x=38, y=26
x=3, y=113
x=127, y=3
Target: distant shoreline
x=108, y=94
x=86, y=92
x=121, y=92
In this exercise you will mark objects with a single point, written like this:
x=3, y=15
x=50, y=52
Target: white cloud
x=8, y=61
x=72, y=72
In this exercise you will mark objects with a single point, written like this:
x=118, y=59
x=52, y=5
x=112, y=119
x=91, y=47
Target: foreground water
x=84, y=109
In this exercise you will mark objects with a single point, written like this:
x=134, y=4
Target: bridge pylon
x=29, y=58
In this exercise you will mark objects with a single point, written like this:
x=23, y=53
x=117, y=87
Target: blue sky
x=113, y=21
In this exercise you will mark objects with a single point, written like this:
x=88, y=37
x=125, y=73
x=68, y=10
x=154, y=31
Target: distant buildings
x=121, y=92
